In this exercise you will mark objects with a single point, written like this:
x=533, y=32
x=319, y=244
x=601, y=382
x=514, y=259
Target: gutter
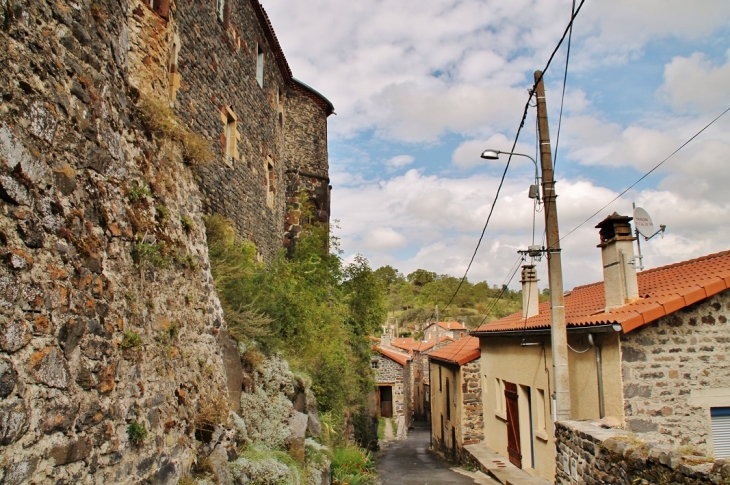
x=612, y=327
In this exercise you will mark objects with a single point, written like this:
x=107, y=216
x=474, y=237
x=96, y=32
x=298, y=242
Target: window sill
x=500, y=414
x=540, y=434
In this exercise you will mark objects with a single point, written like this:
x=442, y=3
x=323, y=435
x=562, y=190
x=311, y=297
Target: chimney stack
x=617, y=253
x=530, y=294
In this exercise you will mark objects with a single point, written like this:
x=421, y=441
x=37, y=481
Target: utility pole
x=558, y=332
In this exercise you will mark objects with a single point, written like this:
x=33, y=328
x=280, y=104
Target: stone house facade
x=224, y=72
x=647, y=349
x=392, y=371
x=456, y=397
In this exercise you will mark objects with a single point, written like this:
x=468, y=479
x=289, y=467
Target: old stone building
x=646, y=349
x=456, y=397
x=392, y=370
x=115, y=360
x=226, y=75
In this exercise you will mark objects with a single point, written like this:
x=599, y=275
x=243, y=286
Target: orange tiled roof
x=662, y=291
x=450, y=326
x=460, y=352
x=399, y=357
x=405, y=343
x=426, y=345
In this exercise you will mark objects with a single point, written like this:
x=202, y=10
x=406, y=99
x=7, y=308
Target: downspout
x=599, y=377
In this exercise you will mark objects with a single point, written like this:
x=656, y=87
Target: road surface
x=409, y=462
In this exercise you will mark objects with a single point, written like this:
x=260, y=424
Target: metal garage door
x=721, y=431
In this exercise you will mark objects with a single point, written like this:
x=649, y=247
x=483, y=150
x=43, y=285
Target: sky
x=421, y=87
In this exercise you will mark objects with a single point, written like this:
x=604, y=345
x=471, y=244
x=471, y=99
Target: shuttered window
x=721, y=431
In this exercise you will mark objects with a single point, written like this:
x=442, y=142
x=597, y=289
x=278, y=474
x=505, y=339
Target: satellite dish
x=643, y=223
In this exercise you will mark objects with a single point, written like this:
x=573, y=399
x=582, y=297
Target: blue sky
x=420, y=87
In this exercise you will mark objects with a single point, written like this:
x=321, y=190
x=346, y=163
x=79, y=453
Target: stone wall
x=591, y=455
x=668, y=363
x=391, y=372
x=281, y=129
x=111, y=327
x=472, y=416
x=115, y=363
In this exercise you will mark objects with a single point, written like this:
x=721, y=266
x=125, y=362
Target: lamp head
x=490, y=154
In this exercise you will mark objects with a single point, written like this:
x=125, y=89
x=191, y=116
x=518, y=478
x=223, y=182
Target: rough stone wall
x=472, y=417
x=591, y=455
x=664, y=363
x=107, y=308
x=391, y=372
x=217, y=66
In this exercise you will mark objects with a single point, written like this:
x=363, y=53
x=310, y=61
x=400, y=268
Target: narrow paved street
x=409, y=462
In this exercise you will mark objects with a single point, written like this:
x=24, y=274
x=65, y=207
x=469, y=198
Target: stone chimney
x=530, y=294
x=617, y=253
x=386, y=337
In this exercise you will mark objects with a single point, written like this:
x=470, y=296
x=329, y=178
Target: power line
x=647, y=173
x=514, y=145
x=562, y=98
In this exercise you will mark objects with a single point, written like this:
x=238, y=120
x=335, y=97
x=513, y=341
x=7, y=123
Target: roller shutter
x=721, y=431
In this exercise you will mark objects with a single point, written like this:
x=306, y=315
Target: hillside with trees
x=412, y=299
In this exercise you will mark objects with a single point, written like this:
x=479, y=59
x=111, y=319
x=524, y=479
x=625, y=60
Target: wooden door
x=386, y=401
x=513, y=424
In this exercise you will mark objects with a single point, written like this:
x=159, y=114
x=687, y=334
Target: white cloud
x=383, y=239
x=399, y=161
x=695, y=82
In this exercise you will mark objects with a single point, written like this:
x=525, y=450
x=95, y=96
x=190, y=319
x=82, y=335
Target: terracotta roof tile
x=662, y=291
x=460, y=352
x=392, y=354
x=404, y=343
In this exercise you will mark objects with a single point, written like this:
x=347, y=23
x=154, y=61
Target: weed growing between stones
x=137, y=433
x=137, y=190
x=131, y=340
x=212, y=412
x=161, y=120
x=187, y=224
x=155, y=254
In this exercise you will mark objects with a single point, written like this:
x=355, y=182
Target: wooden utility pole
x=558, y=333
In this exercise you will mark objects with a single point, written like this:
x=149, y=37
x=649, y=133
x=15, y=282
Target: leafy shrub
x=264, y=466
x=353, y=465
x=187, y=224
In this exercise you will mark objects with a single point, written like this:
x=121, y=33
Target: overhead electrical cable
x=562, y=97
x=514, y=145
x=647, y=173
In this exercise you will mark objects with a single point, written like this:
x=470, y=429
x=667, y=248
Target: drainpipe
x=599, y=377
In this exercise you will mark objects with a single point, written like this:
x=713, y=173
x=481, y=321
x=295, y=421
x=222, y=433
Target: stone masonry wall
x=391, y=372
x=217, y=66
x=472, y=417
x=666, y=361
x=591, y=455
x=108, y=314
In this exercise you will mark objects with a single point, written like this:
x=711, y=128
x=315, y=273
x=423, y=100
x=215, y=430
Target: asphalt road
x=409, y=462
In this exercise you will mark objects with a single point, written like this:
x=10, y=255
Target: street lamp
x=490, y=154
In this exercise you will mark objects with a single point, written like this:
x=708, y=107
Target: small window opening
x=260, y=65
x=270, y=183
x=160, y=7
x=374, y=364
x=230, y=135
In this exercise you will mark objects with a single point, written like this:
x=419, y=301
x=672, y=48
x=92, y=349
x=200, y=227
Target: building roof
x=449, y=326
x=405, y=343
x=662, y=291
x=426, y=345
x=295, y=84
x=394, y=355
x=460, y=352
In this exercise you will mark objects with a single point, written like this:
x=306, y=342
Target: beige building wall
x=530, y=368
x=442, y=433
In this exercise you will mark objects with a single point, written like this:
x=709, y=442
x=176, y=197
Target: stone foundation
x=591, y=455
